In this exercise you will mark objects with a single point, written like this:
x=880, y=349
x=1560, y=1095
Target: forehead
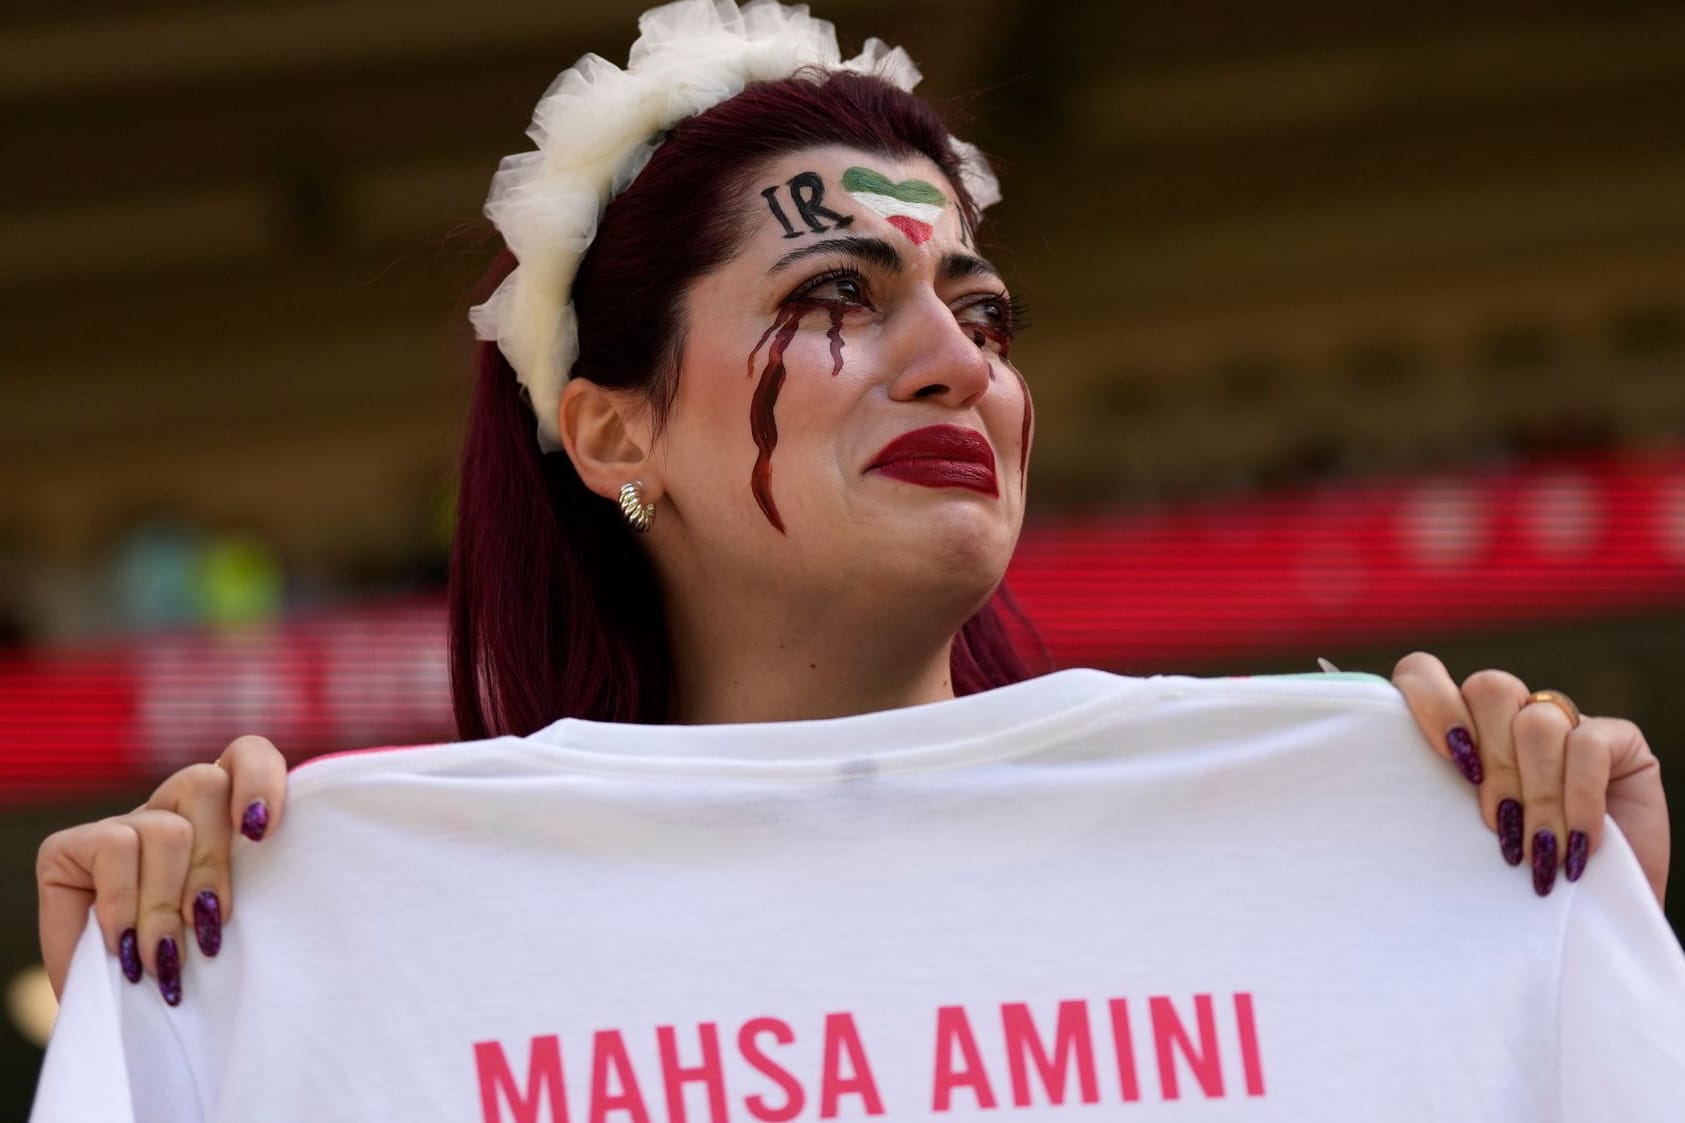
x=834, y=162
x=835, y=189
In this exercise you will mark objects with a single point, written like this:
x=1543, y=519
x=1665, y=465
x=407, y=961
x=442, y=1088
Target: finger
x=97, y=865
x=1591, y=749
x=199, y=794
x=1439, y=709
x=64, y=889
x=1636, y=802
x=166, y=852
x=259, y=795
x=1541, y=738
x=1493, y=697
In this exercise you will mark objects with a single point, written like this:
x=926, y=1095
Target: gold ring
x=1558, y=699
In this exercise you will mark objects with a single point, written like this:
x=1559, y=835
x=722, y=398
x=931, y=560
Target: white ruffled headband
x=596, y=128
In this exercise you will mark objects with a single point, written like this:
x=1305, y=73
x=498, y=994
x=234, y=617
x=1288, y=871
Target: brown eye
x=840, y=286
x=849, y=289
x=988, y=322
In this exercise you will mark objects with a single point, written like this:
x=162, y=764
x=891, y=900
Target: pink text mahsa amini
x=1078, y=1052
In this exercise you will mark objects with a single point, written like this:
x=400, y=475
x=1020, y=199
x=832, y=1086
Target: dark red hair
x=554, y=606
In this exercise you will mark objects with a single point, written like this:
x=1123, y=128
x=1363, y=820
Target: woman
x=777, y=477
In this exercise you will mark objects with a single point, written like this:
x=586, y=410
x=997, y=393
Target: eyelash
x=1020, y=314
x=841, y=273
x=1017, y=311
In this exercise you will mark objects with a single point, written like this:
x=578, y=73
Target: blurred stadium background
x=1358, y=329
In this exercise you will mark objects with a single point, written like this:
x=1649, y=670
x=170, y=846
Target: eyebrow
x=875, y=250
x=953, y=266
x=956, y=266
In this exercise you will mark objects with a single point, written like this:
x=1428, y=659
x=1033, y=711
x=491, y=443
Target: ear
x=607, y=434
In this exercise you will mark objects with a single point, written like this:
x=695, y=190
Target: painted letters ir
x=807, y=192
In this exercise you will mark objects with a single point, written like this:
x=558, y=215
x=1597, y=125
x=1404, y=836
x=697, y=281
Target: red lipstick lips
x=939, y=456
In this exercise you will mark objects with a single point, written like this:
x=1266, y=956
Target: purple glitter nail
x=207, y=922
x=128, y=954
x=1509, y=831
x=169, y=971
x=255, y=821
x=1544, y=862
x=1578, y=847
x=1463, y=754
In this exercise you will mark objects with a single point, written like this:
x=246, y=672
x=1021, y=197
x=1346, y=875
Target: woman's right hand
x=151, y=873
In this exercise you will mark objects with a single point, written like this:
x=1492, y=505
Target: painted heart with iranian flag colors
x=911, y=206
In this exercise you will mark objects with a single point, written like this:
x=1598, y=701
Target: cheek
x=755, y=415
x=824, y=408
x=1010, y=417
x=792, y=354
x=706, y=441
x=1026, y=424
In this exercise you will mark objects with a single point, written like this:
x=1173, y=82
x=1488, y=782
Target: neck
x=798, y=668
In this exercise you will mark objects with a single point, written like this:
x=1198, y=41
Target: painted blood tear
x=763, y=425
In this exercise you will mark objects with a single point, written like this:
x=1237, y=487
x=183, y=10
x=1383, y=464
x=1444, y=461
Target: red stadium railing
x=1307, y=570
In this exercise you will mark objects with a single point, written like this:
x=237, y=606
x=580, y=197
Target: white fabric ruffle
x=594, y=129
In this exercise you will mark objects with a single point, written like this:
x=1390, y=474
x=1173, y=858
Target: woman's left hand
x=1542, y=779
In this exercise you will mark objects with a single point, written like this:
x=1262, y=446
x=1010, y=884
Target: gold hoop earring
x=639, y=515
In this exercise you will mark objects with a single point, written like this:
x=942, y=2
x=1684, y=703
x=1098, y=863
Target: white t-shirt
x=1081, y=897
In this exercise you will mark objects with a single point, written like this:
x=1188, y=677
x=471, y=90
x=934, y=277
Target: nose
x=942, y=363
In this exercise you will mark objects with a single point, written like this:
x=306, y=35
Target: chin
x=957, y=551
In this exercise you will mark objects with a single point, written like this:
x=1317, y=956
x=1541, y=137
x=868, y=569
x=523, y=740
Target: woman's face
x=847, y=412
